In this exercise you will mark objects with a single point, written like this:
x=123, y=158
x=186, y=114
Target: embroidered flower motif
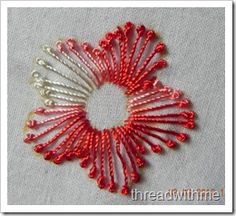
x=126, y=57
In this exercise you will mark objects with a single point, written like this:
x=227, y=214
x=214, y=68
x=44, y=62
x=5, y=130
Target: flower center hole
x=107, y=107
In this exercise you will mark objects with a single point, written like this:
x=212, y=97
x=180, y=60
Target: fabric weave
x=195, y=41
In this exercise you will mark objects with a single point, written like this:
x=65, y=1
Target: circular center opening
x=106, y=107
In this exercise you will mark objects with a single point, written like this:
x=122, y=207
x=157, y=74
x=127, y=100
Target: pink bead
x=72, y=43
x=32, y=123
x=175, y=94
x=189, y=115
x=96, y=52
x=40, y=110
x=183, y=103
x=85, y=46
x=61, y=47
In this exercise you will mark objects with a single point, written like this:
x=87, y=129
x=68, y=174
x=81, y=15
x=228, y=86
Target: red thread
x=122, y=58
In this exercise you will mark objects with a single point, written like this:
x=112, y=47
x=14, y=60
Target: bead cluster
x=123, y=58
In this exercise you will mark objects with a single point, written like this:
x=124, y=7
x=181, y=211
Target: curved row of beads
x=122, y=58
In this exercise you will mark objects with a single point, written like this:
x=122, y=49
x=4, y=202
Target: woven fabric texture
x=195, y=41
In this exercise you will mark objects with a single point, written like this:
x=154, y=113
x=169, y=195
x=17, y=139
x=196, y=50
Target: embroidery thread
x=126, y=57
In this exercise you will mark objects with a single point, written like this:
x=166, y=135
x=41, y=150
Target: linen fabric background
x=195, y=41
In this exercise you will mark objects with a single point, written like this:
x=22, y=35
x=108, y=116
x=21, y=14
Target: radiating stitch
x=123, y=60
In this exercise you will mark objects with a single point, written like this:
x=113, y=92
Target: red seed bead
x=182, y=137
x=31, y=123
x=119, y=33
x=151, y=34
x=140, y=161
x=29, y=138
x=72, y=43
x=157, y=149
x=125, y=190
x=189, y=115
x=189, y=125
x=160, y=47
x=160, y=64
x=140, y=30
x=170, y=144
x=39, y=148
x=92, y=172
x=147, y=84
x=183, y=103
x=104, y=44
x=109, y=36
x=59, y=159
x=140, y=149
x=175, y=94
x=134, y=177
x=112, y=187
x=48, y=155
x=128, y=25
x=84, y=162
x=101, y=181
x=40, y=110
